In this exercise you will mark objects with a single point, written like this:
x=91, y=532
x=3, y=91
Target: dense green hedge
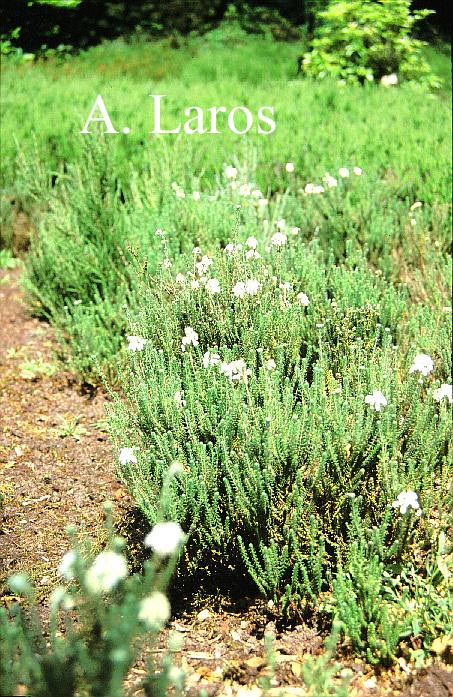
x=94, y=20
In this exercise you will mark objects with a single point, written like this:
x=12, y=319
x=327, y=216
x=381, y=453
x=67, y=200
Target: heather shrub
x=271, y=375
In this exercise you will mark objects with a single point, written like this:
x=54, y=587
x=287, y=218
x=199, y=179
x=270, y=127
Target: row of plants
x=297, y=388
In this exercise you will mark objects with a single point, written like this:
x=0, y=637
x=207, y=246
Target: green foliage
x=371, y=625
x=106, y=616
x=375, y=608
x=366, y=41
x=7, y=261
x=425, y=598
x=260, y=20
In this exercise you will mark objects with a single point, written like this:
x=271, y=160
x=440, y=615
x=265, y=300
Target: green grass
x=46, y=105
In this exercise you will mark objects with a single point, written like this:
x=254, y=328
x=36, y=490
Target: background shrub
x=366, y=41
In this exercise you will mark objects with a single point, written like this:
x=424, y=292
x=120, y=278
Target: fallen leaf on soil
x=296, y=668
x=255, y=662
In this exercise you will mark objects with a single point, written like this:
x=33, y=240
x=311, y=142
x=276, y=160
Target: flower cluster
x=236, y=370
x=330, y=181
x=136, y=343
x=190, y=338
x=376, y=400
x=165, y=539
x=443, y=392
x=248, y=287
x=422, y=364
x=406, y=500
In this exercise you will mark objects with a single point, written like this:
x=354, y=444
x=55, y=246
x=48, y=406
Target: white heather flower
x=210, y=359
x=159, y=232
x=285, y=286
x=295, y=230
x=289, y=167
x=417, y=204
x=252, y=286
x=251, y=242
x=389, y=80
x=262, y=202
x=423, y=364
x=155, y=610
x=239, y=289
x=196, y=251
x=175, y=468
x=196, y=195
x=195, y=284
x=59, y=598
x=107, y=570
x=203, y=265
x=329, y=180
x=343, y=172
x=357, y=170
x=136, y=343
x=245, y=190
x=167, y=264
x=180, y=278
x=236, y=370
x=180, y=193
x=165, y=538
x=405, y=500
x=252, y=254
x=443, y=391
x=376, y=400
x=66, y=566
x=230, y=249
x=303, y=299
x=179, y=398
x=279, y=239
x=256, y=193
x=230, y=172
x=190, y=338
x=270, y=364
x=281, y=224
x=314, y=189
x=174, y=186
x=213, y=286
x=127, y=457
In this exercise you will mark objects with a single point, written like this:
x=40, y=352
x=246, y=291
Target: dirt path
x=56, y=468
x=55, y=460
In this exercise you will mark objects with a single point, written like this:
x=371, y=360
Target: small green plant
x=319, y=673
x=99, y=621
x=32, y=369
x=7, y=261
x=363, y=41
x=71, y=428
